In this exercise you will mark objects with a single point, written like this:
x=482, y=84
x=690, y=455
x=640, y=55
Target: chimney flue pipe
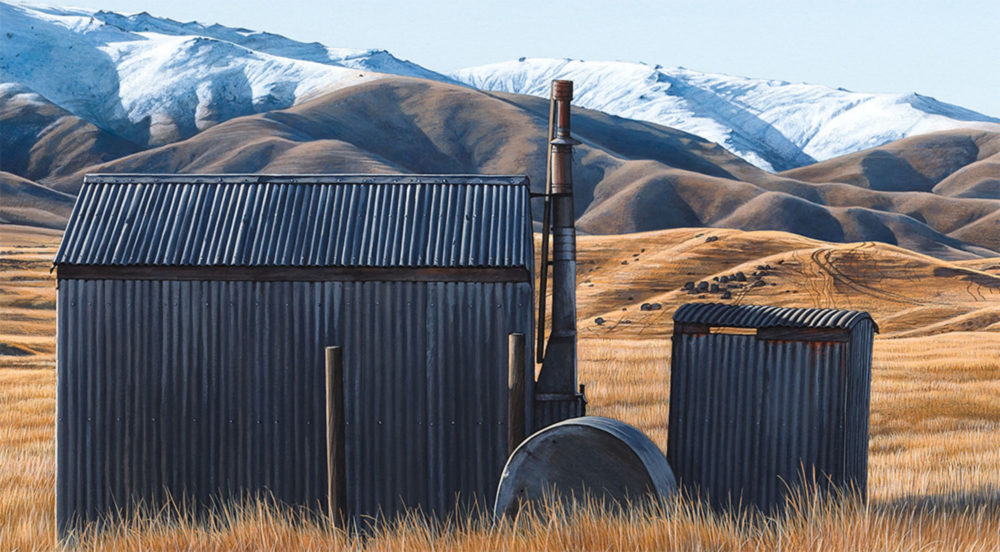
x=558, y=373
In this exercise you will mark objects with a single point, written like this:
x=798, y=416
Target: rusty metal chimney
x=557, y=380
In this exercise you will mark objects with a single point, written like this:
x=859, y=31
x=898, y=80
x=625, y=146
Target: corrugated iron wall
x=208, y=389
x=750, y=416
x=553, y=408
x=859, y=388
x=426, y=398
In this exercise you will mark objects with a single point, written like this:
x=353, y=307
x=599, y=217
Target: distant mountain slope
x=957, y=163
x=40, y=139
x=154, y=81
x=25, y=202
x=979, y=179
x=629, y=175
x=773, y=124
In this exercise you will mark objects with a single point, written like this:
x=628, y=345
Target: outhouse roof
x=759, y=316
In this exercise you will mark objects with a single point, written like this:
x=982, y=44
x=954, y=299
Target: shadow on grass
x=984, y=498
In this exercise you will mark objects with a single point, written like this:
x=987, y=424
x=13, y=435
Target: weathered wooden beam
x=690, y=328
x=803, y=334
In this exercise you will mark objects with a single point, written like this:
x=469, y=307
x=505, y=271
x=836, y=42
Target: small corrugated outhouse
x=193, y=313
x=761, y=397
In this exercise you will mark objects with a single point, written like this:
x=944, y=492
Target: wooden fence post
x=336, y=458
x=515, y=387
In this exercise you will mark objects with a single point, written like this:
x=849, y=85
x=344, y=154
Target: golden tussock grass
x=934, y=473
x=934, y=463
x=812, y=523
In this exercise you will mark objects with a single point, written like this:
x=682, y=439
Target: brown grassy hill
x=25, y=202
x=837, y=212
x=630, y=176
x=908, y=294
x=925, y=163
x=987, y=228
x=40, y=139
x=412, y=125
x=979, y=179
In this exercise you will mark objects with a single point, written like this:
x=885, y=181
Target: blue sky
x=948, y=50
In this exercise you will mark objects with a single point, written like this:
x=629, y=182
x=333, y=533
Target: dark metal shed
x=193, y=313
x=762, y=396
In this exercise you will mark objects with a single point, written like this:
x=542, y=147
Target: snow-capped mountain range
x=775, y=125
x=154, y=81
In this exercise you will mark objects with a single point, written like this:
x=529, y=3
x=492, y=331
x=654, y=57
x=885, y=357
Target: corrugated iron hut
x=193, y=314
x=762, y=396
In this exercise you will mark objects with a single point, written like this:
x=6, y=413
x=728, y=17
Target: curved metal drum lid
x=603, y=459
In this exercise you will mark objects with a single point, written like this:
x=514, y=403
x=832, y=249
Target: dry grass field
x=934, y=465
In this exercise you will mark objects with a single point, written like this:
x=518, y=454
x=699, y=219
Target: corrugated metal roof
x=760, y=316
x=300, y=221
